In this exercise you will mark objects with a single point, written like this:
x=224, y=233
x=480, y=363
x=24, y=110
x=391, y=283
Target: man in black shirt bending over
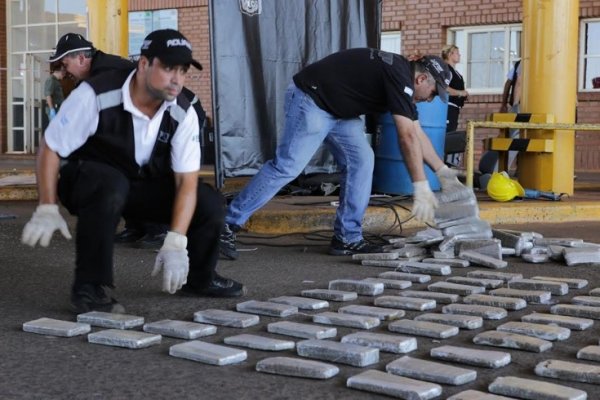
x=324, y=104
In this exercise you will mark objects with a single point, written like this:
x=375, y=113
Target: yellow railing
x=471, y=125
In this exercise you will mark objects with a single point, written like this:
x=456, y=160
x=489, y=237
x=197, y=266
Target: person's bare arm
x=430, y=157
x=505, y=92
x=46, y=218
x=456, y=92
x=47, y=167
x=172, y=257
x=49, y=101
x=186, y=185
x=414, y=152
x=410, y=147
x=517, y=89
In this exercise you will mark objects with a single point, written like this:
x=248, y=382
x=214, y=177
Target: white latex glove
x=424, y=202
x=45, y=220
x=173, y=260
x=449, y=179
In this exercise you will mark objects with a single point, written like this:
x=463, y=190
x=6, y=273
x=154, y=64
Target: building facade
x=487, y=33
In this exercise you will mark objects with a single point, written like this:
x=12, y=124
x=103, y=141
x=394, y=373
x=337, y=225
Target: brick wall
x=587, y=144
x=193, y=23
x=424, y=24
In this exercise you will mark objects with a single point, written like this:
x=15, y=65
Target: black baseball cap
x=440, y=72
x=69, y=43
x=170, y=47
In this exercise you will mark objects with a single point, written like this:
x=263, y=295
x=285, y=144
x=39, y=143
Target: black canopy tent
x=256, y=48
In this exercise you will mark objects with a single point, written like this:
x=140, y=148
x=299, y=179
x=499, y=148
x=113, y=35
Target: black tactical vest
x=113, y=142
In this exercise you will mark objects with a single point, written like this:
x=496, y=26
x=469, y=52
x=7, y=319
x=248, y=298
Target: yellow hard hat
x=502, y=188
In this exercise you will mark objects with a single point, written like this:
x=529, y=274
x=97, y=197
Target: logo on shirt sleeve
x=385, y=56
x=408, y=91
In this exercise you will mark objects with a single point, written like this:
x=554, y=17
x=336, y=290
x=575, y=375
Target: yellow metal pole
x=550, y=30
x=109, y=26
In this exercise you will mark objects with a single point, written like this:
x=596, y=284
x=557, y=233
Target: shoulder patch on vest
x=177, y=113
x=109, y=99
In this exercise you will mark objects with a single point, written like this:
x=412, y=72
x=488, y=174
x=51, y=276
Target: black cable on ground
x=323, y=237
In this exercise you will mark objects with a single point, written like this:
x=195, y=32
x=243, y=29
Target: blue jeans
x=306, y=127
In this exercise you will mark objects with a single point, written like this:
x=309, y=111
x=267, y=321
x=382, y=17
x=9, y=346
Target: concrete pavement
x=35, y=283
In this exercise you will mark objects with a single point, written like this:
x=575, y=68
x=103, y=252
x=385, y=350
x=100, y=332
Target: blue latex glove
x=52, y=114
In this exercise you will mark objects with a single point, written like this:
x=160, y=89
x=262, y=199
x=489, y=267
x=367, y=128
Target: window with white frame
x=589, y=65
x=488, y=54
x=141, y=23
x=391, y=42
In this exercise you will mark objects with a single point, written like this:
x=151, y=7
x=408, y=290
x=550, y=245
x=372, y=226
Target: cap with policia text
x=440, y=72
x=170, y=47
x=70, y=43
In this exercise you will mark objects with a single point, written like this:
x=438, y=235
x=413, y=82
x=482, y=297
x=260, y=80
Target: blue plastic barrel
x=391, y=175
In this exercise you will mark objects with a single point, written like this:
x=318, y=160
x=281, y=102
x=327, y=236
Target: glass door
x=16, y=115
x=27, y=102
x=34, y=28
x=34, y=103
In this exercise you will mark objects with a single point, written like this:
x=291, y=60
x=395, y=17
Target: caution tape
x=471, y=125
x=523, y=117
x=532, y=145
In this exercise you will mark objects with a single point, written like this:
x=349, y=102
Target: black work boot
x=89, y=297
x=339, y=248
x=218, y=287
x=128, y=235
x=150, y=241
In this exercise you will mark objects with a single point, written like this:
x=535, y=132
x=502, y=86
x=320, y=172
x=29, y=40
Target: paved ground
x=35, y=283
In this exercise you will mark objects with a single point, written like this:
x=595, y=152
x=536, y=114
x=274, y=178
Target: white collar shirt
x=77, y=120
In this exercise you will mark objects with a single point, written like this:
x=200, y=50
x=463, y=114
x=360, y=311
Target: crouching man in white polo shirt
x=131, y=144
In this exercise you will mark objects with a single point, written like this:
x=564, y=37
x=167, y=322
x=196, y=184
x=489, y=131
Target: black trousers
x=99, y=194
x=452, y=122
